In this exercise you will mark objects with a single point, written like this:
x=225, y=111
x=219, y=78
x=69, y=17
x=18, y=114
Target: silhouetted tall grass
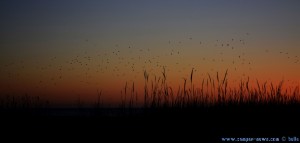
x=214, y=92
x=211, y=91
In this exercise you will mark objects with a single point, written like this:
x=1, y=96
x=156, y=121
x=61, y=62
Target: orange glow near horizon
x=82, y=75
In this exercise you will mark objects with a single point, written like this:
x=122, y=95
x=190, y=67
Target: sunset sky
x=63, y=50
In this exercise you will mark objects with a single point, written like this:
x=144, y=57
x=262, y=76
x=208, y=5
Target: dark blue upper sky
x=45, y=26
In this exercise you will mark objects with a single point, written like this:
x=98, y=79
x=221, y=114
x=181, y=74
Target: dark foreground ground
x=184, y=125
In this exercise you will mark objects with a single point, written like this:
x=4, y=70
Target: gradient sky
x=63, y=50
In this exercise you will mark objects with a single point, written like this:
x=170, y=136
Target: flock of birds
x=121, y=61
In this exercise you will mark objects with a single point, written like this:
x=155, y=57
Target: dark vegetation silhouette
x=212, y=93
x=212, y=107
